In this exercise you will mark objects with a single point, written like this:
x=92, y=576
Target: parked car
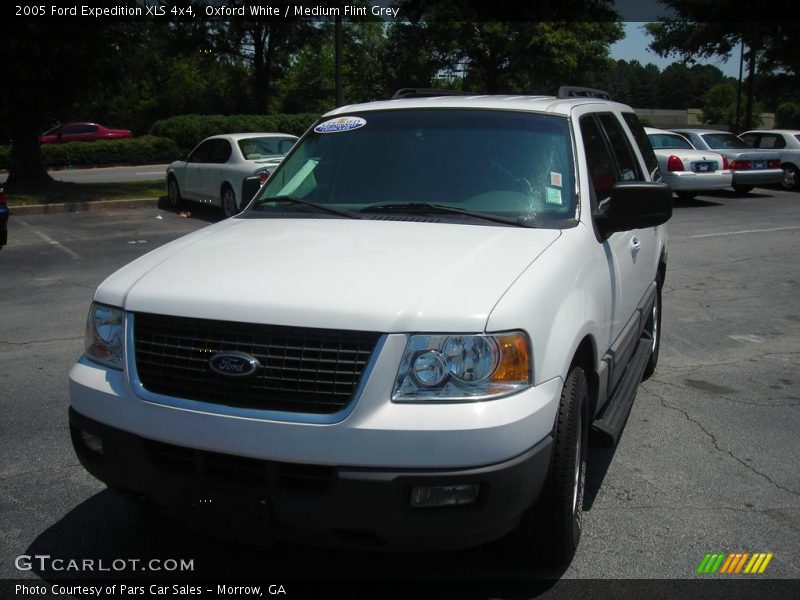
x=3, y=216
x=227, y=170
x=402, y=341
x=685, y=170
x=787, y=143
x=749, y=167
x=82, y=132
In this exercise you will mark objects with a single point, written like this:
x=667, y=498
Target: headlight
x=104, y=335
x=463, y=367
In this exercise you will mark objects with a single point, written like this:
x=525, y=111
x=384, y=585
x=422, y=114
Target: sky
x=635, y=47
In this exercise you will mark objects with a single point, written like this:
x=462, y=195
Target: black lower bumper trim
x=344, y=506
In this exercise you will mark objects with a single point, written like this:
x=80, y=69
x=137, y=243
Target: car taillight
x=262, y=177
x=741, y=165
x=725, y=164
x=674, y=164
x=774, y=164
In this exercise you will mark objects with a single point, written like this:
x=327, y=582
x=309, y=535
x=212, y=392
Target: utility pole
x=739, y=84
x=337, y=44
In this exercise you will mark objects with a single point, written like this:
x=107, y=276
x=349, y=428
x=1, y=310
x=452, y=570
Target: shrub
x=143, y=150
x=189, y=130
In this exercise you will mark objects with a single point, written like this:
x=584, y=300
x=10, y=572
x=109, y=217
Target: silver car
x=787, y=143
x=227, y=170
x=748, y=166
x=685, y=170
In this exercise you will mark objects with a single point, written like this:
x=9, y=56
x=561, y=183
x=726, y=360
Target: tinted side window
x=202, y=152
x=644, y=145
x=71, y=129
x=771, y=141
x=751, y=139
x=602, y=171
x=628, y=165
x=220, y=152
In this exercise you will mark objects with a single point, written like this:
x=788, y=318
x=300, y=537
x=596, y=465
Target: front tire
x=790, y=180
x=174, y=193
x=653, y=329
x=551, y=529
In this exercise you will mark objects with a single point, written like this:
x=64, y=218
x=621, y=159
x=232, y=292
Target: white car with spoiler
x=685, y=170
x=226, y=170
x=402, y=341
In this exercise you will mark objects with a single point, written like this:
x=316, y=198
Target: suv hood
x=387, y=276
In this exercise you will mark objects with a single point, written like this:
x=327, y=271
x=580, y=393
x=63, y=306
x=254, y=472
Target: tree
x=703, y=29
x=48, y=67
x=719, y=107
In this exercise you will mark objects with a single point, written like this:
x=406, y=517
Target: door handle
x=635, y=244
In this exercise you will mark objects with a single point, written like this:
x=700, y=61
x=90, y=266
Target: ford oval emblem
x=235, y=364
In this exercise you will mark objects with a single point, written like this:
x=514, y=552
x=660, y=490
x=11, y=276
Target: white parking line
x=73, y=255
x=705, y=235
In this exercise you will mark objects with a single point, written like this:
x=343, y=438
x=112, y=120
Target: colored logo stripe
x=721, y=562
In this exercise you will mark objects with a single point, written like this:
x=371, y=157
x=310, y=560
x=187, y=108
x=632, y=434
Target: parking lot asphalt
x=708, y=461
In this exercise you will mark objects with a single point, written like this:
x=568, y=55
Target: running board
x=615, y=414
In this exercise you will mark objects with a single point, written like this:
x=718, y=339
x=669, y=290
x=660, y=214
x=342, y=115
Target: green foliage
x=719, y=107
x=788, y=115
x=142, y=150
x=188, y=130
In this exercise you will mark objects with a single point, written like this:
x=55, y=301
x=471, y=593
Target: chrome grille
x=303, y=370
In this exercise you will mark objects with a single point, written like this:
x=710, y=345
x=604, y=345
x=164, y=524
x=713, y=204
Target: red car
x=82, y=132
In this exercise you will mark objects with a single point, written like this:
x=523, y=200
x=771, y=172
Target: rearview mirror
x=635, y=205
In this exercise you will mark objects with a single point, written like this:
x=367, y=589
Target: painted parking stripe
x=72, y=254
x=706, y=235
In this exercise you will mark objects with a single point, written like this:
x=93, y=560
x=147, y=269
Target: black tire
x=743, y=189
x=791, y=178
x=551, y=529
x=174, y=193
x=686, y=196
x=653, y=329
x=228, y=201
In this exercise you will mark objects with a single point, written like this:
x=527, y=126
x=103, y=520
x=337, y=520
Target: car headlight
x=104, y=335
x=463, y=367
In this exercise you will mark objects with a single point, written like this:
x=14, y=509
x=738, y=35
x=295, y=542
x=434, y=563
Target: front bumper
x=262, y=500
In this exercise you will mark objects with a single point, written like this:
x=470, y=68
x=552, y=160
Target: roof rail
x=574, y=91
x=422, y=93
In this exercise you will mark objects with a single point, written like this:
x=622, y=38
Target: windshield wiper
x=294, y=200
x=425, y=207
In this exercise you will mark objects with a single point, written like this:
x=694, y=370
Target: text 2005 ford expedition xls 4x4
x=405, y=337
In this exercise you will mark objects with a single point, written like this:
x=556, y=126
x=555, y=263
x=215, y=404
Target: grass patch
x=67, y=192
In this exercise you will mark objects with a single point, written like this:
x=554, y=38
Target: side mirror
x=635, y=205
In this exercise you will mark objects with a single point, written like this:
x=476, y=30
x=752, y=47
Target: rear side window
x=643, y=143
x=602, y=170
x=771, y=141
x=626, y=160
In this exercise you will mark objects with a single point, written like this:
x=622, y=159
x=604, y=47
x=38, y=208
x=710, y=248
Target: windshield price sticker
x=340, y=124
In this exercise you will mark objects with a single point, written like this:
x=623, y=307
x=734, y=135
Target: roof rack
x=422, y=93
x=574, y=91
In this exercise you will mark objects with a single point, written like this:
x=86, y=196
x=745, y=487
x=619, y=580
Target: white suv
x=403, y=340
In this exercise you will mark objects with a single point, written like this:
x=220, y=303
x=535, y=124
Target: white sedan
x=685, y=170
x=227, y=170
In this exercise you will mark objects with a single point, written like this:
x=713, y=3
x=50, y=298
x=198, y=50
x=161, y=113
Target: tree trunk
x=260, y=69
x=751, y=80
x=26, y=170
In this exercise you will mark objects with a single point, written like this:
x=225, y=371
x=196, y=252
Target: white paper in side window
x=553, y=196
x=298, y=178
x=555, y=179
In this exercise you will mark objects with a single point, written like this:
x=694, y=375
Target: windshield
x=724, y=141
x=256, y=148
x=510, y=164
x=668, y=141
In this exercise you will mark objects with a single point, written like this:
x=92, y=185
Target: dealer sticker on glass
x=340, y=124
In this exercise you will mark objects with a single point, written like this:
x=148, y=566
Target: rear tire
x=743, y=189
x=228, y=201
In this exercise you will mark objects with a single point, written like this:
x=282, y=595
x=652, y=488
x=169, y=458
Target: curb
x=43, y=209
